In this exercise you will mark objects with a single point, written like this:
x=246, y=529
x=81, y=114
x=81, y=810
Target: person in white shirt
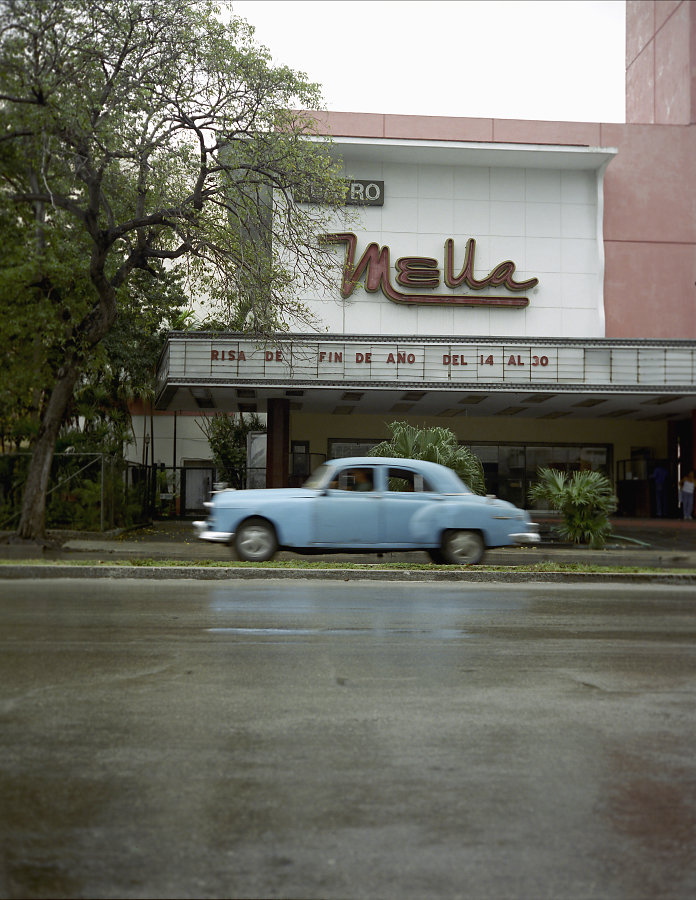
x=687, y=495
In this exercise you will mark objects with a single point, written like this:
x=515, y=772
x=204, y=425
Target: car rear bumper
x=202, y=531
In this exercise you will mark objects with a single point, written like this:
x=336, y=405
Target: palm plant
x=435, y=445
x=585, y=499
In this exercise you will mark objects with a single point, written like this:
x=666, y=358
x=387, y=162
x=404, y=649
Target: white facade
x=540, y=208
x=468, y=293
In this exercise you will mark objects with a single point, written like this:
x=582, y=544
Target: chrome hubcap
x=464, y=546
x=255, y=541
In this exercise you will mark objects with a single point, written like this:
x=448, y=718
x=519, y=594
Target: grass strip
x=301, y=564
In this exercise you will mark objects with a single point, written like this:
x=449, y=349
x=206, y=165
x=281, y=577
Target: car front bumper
x=526, y=537
x=202, y=531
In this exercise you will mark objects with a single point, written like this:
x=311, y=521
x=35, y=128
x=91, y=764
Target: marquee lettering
x=423, y=272
x=228, y=355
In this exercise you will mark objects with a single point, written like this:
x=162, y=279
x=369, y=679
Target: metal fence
x=86, y=492
x=95, y=492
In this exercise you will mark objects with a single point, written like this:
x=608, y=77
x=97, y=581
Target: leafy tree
x=436, y=445
x=227, y=437
x=124, y=364
x=585, y=499
x=136, y=134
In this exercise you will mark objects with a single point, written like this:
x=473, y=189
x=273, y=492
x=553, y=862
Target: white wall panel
x=399, y=215
x=507, y=218
x=543, y=220
x=402, y=180
x=471, y=217
x=578, y=221
x=507, y=184
x=578, y=323
x=435, y=182
x=542, y=185
x=578, y=187
x=539, y=321
x=472, y=183
x=435, y=216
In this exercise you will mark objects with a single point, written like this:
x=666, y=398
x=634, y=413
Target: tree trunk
x=33, y=518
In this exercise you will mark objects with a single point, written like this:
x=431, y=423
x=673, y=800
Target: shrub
x=585, y=499
x=227, y=437
x=435, y=445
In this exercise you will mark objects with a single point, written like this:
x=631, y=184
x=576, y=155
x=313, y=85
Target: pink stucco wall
x=660, y=44
x=649, y=206
x=650, y=232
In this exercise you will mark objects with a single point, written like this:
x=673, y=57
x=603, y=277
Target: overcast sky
x=553, y=59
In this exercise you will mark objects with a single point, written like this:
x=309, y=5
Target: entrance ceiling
x=647, y=407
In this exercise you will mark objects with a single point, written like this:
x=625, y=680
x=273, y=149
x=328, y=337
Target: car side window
x=354, y=479
x=401, y=480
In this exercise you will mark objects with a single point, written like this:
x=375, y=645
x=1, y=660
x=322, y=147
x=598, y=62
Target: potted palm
x=584, y=499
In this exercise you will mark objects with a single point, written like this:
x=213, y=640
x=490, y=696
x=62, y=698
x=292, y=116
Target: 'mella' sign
x=422, y=272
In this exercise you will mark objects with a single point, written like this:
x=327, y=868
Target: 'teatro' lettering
x=423, y=272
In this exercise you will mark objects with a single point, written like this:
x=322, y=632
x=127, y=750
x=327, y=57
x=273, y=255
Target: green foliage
x=436, y=445
x=142, y=141
x=585, y=499
x=149, y=130
x=227, y=436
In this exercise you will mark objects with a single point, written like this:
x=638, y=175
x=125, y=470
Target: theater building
x=530, y=285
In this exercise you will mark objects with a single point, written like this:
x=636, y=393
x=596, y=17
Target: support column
x=278, y=442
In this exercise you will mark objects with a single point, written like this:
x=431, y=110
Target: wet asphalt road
x=338, y=740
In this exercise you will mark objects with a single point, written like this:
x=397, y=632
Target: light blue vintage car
x=368, y=504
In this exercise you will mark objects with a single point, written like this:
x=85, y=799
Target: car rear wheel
x=462, y=548
x=255, y=541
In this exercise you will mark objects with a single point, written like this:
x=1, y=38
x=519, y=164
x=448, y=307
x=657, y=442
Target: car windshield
x=317, y=478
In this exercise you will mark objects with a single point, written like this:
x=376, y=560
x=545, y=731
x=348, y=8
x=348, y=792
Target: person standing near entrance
x=687, y=495
x=659, y=476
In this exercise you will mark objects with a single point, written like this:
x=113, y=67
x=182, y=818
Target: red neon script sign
x=423, y=272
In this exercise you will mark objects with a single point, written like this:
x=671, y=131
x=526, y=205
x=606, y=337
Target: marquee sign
x=293, y=362
x=423, y=272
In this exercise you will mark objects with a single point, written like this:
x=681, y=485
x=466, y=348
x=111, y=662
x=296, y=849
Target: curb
x=220, y=573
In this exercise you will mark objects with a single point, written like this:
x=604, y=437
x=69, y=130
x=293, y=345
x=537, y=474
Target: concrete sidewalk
x=645, y=543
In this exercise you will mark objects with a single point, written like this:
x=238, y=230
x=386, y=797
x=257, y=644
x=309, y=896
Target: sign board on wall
x=359, y=192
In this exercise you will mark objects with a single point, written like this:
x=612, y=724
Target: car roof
x=382, y=461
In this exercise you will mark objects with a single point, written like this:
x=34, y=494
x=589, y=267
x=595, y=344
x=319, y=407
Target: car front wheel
x=255, y=541
x=462, y=548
